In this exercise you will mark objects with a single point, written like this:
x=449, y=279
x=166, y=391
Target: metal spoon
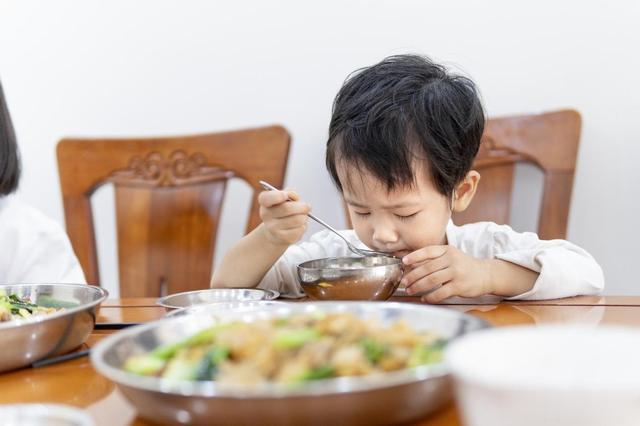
x=354, y=249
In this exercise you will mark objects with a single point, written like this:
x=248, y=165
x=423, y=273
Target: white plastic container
x=549, y=375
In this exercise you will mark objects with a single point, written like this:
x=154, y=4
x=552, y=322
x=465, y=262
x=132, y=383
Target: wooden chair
x=548, y=141
x=168, y=197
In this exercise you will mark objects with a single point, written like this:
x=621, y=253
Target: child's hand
x=284, y=216
x=447, y=270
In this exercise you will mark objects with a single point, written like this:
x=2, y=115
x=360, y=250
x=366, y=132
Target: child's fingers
x=437, y=296
x=425, y=269
x=291, y=222
x=430, y=282
x=425, y=253
x=291, y=208
x=292, y=194
x=272, y=198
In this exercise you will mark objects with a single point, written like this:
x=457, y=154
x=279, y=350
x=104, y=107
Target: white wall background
x=150, y=67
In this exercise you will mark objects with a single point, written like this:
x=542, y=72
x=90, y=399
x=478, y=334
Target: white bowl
x=550, y=375
x=43, y=415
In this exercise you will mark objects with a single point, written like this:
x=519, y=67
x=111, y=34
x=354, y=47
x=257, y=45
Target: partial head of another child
x=9, y=158
x=402, y=139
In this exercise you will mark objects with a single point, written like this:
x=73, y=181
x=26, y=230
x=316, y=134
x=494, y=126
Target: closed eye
x=406, y=217
x=362, y=214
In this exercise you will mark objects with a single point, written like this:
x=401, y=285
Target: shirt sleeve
x=565, y=270
x=40, y=249
x=283, y=276
x=51, y=260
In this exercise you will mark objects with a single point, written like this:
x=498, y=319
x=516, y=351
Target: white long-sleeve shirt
x=565, y=269
x=34, y=248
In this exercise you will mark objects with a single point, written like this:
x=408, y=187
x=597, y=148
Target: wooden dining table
x=76, y=383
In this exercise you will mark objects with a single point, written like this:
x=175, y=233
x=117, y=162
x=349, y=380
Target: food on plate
x=288, y=350
x=13, y=307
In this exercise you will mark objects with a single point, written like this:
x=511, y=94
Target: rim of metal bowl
x=338, y=385
x=393, y=261
x=162, y=301
x=214, y=308
x=67, y=311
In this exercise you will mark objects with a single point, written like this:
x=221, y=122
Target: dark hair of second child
x=9, y=157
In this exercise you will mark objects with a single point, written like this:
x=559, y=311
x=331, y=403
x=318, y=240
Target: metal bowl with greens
x=43, y=320
x=292, y=363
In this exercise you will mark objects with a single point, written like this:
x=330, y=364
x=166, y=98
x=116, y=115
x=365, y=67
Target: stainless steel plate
x=217, y=308
x=215, y=295
x=394, y=397
x=25, y=341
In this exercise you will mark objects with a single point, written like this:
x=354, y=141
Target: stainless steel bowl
x=215, y=295
x=388, y=398
x=351, y=278
x=25, y=341
x=216, y=308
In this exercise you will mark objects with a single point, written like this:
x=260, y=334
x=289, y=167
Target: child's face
x=400, y=221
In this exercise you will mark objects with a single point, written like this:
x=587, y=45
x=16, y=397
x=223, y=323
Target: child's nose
x=384, y=235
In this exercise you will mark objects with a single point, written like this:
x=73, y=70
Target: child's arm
x=497, y=260
x=284, y=222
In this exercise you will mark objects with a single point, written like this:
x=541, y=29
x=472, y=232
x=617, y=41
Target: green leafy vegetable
x=373, y=350
x=208, y=366
x=144, y=364
x=205, y=336
x=291, y=339
x=317, y=373
x=166, y=351
x=427, y=354
x=181, y=369
x=50, y=302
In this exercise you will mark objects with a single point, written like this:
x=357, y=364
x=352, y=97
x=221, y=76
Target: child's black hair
x=9, y=157
x=403, y=109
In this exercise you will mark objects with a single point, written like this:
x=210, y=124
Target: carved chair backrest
x=168, y=197
x=550, y=142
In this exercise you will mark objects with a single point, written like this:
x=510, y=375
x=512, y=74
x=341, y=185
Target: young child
x=33, y=248
x=402, y=140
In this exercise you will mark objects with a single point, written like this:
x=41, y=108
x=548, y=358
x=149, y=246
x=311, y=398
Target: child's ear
x=465, y=191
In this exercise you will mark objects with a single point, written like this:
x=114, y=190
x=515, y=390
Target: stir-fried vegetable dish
x=295, y=349
x=13, y=307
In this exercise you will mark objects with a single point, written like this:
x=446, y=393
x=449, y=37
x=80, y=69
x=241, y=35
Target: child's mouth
x=401, y=253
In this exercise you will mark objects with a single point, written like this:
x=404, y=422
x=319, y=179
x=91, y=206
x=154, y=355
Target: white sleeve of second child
x=40, y=249
x=283, y=277
x=565, y=270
